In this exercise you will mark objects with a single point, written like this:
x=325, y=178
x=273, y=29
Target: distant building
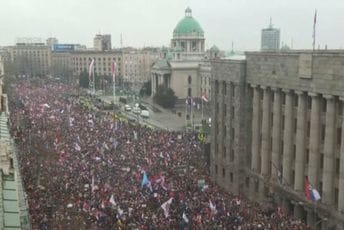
x=270, y=39
x=102, y=42
x=52, y=41
x=31, y=58
x=80, y=61
x=2, y=71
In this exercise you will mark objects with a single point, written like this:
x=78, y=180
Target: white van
x=145, y=113
x=127, y=108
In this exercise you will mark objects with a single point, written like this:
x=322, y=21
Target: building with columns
x=277, y=118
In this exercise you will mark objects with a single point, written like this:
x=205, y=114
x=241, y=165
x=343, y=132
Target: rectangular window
x=216, y=169
x=232, y=112
x=232, y=155
x=336, y=197
x=339, y=136
x=324, y=104
x=232, y=134
x=321, y=161
x=224, y=152
x=309, y=102
x=308, y=128
x=320, y=188
x=296, y=100
x=224, y=88
x=231, y=177
x=224, y=111
x=223, y=172
x=307, y=155
x=337, y=166
x=295, y=125
x=322, y=132
x=283, y=98
x=247, y=182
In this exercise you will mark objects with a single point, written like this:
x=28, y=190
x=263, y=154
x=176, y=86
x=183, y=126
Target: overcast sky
x=151, y=22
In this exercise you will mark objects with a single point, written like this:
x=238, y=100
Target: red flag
x=306, y=189
x=113, y=68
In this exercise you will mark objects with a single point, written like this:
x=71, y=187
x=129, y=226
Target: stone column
x=300, y=143
x=287, y=136
x=314, y=141
x=328, y=170
x=255, y=129
x=265, y=150
x=341, y=168
x=276, y=134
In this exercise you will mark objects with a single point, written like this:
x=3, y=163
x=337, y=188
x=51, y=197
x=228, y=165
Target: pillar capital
x=254, y=86
x=299, y=92
x=275, y=89
x=313, y=94
x=287, y=91
x=341, y=98
x=264, y=87
x=328, y=97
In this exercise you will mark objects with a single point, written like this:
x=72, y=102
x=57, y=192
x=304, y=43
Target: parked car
x=127, y=108
x=136, y=110
x=145, y=113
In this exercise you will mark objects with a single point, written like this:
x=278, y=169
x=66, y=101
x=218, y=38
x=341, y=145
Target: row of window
x=231, y=175
x=89, y=59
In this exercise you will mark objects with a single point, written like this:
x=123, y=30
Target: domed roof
x=188, y=26
x=214, y=48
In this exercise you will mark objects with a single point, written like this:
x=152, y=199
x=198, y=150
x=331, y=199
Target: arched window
x=189, y=92
x=189, y=80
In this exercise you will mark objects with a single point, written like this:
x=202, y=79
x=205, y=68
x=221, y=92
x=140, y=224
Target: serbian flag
x=166, y=207
x=205, y=98
x=91, y=69
x=307, y=189
x=113, y=69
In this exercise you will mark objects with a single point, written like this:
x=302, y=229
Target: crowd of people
x=86, y=169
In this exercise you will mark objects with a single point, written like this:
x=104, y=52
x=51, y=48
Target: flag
x=306, y=189
x=91, y=69
x=145, y=179
x=113, y=69
x=112, y=200
x=213, y=210
x=314, y=23
x=315, y=195
x=205, y=98
x=185, y=218
x=166, y=207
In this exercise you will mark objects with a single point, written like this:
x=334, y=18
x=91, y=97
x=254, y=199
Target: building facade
x=80, y=61
x=183, y=66
x=277, y=120
x=102, y=42
x=270, y=38
x=31, y=58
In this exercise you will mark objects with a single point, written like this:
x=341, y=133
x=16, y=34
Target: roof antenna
x=270, y=23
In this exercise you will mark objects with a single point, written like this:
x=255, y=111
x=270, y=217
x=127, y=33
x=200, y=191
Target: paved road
x=159, y=117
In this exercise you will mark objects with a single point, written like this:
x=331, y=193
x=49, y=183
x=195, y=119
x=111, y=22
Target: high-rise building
x=102, y=42
x=52, y=41
x=278, y=131
x=270, y=39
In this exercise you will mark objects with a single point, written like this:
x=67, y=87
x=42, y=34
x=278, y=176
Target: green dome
x=188, y=26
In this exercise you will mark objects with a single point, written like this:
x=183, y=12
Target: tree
x=165, y=97
x=83, y=79
x=146, y=89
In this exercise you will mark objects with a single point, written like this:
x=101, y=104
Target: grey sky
x=151, y=22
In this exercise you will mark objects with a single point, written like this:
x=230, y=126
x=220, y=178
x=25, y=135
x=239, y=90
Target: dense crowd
x=86, y=169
